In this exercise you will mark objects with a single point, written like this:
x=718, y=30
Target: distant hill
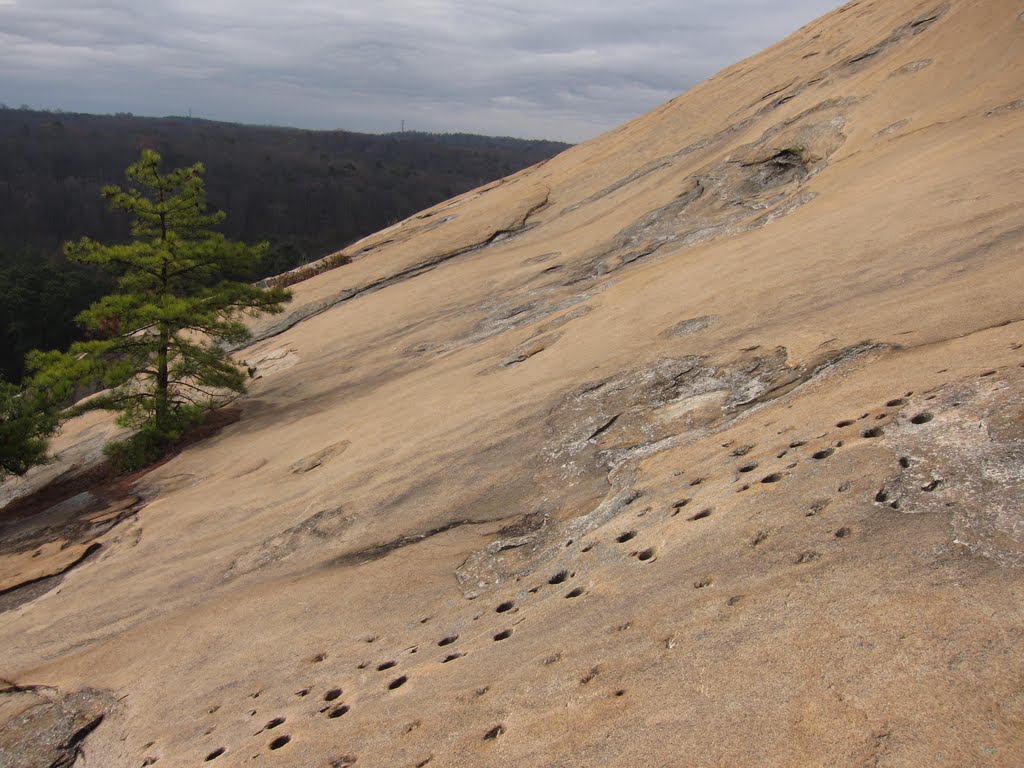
x=307, y=192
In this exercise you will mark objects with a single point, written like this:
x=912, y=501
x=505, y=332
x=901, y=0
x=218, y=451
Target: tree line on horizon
x=305, y=193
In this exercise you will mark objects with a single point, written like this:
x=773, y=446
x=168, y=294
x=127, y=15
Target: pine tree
x=155, y=344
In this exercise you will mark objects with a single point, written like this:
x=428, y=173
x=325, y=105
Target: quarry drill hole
x=646, y=555
x=274, y=723
x=922, y=418
x=873, y=432
x=882, y=496
x=338, y=711
x=447, y=640
x=303, y=692
x=905, y=462
x=494, y=733
x=698, y=481
x=823, y=454
x=798, y=443
x=622, y=538
x=772, y=478
x=386, y=665
x=575, y=592
x=845, y=423
x=842, y=533
x=678, y=506
x=505, y=607
x=398, y=682
x=931, y=486
x=505, y=634
x=280, y=741
x=332, y=694
x=749, y=467
x=559, y=577
x=452, y=657
x=702, y=514
x=215, y=754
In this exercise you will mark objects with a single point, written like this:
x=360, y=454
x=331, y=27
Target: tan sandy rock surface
x=701, y=444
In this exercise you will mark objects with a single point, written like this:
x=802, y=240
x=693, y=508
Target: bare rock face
x=699, y=444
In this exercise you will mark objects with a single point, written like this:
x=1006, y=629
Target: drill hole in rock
x=215, y=754
x=447, y=640
x=505, y=634
x=332, y=694
x=575, y=592
x=896, y=403
x=398, y=682
x=386, y=665
x=844, y=423
x=622, y=538
x=273, y=724
x=505, y=607
x=452, y=657
x=338, y=711
x=280, y=741
x=749, y=467
x=645, y=556
x=702, y=514
x=772, y=478
x=494, y=733
x=873, y=432
x=823, y=454
x=922, y=418
x=559, y=577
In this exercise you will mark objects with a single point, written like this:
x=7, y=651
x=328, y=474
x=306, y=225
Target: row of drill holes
x=562, y=576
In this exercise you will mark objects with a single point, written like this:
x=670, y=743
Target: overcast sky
x=531, y=68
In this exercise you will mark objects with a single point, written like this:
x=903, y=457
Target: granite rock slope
x=700, y=444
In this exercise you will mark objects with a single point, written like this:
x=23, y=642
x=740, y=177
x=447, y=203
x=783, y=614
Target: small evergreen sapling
x=156, y=346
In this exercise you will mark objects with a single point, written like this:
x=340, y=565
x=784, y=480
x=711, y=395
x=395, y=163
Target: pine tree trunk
x=162, y=399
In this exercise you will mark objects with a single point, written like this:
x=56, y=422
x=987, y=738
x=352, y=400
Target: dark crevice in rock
x=26, y=591
x=306, y=313
x=382, y=550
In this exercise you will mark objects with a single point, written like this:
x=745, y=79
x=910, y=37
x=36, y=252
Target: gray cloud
x=524, y=67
